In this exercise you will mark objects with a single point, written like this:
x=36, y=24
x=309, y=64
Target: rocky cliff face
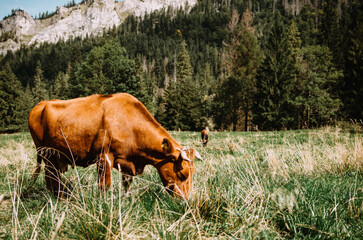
x=140, y=7
x=89, y=18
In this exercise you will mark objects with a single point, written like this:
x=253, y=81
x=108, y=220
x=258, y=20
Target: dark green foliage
x=247, y=64
x=105, y=70
x=328, y=27
x=315, y=87
x=139, y=57
x=273, y=108
x=70, y=4
x=306, y=22
x=228, y=104
x=61, y=85
x=183, y=99
x=27, y=103
x=352, y=84
x=241, y=61
x=39, y=90
x=10, y=93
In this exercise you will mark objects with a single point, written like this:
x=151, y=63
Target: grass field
x=304, y=184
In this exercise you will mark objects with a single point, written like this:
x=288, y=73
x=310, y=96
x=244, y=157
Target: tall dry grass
x=291, y=184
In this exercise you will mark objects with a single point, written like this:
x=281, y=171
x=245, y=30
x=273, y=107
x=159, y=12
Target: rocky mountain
x=91, y=17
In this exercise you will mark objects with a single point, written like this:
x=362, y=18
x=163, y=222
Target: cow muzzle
x=180, y=190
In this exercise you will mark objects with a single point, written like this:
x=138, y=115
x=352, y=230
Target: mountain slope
x=89, y=18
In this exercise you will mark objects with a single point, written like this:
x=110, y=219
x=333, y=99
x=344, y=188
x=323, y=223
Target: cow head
x=177, y=169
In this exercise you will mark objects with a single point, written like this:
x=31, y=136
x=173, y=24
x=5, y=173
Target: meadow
x=305, y=184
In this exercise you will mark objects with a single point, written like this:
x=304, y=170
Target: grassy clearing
x=291, y=184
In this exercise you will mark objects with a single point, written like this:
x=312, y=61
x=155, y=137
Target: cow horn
x=184, y=154
x=197, y=155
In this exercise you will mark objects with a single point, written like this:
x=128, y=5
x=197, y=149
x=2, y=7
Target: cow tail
x=38, y=168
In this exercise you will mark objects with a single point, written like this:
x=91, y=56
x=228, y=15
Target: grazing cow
x=204, y=133
x=114, y=131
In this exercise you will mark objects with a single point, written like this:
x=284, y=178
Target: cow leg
x=128, y=171
x=37, y=170
x=53, y=178
x=126, y=181
x=104, y=168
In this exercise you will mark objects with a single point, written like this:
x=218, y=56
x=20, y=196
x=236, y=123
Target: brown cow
x=114, y=131
x=204, y=134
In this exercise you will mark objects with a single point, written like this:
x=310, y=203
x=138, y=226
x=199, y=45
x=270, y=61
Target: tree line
x=237, y=65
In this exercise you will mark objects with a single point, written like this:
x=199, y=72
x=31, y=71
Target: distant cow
x=114, y=131
x=204, y=134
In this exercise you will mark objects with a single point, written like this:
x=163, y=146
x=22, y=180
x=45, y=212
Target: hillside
x=240, y=65
x=91, y=17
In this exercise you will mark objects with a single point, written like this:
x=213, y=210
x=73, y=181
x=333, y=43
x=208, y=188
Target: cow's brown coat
x=114, y=131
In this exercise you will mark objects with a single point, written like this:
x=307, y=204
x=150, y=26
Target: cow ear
x=167, y=146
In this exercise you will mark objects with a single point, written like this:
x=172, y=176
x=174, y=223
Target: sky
x=33, y=7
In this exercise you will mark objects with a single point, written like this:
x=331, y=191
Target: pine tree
x=317, y=98
x=306, y=25
x=329, y=24
x=227, y=103
x=120, y=72
x=106, y=69
x=352, y=84
x=60, y=87
x=208, y=85
x=241, y=62
x=10, y=91
x=39, y=90
x=247, y=64
x=90, y=75
x=27, y=102
x=273, y=107
x=182, y=98
x=294, y=46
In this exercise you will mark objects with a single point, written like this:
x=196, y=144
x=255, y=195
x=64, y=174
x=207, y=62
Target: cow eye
x=181, y=176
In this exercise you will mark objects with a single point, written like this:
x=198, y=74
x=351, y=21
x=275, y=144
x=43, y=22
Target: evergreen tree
x=39, y=90
x=89, y=74
x=294, y=43
x=329, y=24
x=60, y=87
x=247, y=64
x=169, y=114
x=182, y=98
x=151, y=91
x=227, y=103
x=242, y=63
x=319, y=78
x=208, y=86
x=306, y=24
x=27, y=102
x=294, y=46
x=352, y=84
x=10, y=91
x=106, y=70
x=120, y=71
x=273, y=107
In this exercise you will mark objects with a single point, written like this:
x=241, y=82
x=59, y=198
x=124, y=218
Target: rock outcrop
x=90, y=18
x=140, y=7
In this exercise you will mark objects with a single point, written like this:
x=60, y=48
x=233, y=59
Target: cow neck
x=153, y=151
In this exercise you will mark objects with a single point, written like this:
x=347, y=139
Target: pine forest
x=238, y=65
